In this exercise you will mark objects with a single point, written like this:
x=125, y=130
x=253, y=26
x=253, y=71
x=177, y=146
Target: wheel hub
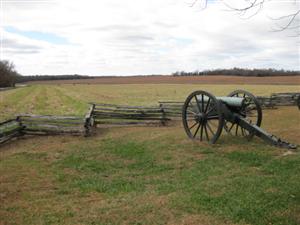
x=201, y=117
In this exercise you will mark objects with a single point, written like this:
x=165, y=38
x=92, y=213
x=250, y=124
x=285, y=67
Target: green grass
x=257, y=186
x=145, y=175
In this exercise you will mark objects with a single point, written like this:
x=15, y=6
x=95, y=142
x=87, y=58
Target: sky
x=136, y=37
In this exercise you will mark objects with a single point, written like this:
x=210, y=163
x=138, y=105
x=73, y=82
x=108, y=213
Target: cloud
x=13, y=44
x=141, y=37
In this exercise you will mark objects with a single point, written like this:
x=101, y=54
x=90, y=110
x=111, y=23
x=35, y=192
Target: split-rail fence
x=106, y=115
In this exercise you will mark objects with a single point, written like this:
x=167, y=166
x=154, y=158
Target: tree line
x=22, y=79
x=239, y=72
x=9, y=76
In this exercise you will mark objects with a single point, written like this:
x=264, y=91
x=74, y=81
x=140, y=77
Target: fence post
x=89, y=121
x=163, y=116
x=22, y=127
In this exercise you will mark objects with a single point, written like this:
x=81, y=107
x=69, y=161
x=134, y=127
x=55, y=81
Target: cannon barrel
x=230, y=101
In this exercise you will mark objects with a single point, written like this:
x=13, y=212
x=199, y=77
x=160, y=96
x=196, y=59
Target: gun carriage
x=204, y=116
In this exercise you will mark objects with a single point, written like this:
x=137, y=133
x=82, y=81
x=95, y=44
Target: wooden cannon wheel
x=250, y=110
x=202, y=117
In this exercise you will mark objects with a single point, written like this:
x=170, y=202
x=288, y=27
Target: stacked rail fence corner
x=110, y=114
x=52, y=125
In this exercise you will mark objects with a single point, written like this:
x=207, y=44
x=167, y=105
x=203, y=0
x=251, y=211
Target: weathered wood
x=8, y=132
x=9, y=129
x=51, y=117
x=51, y=126
x=113, y=113
x=42, y=121
x=285, y=99
x=170, y=101
x=173, y=110
x=7, y=121
x=128, y=110
x=9, y=137
x=89, y=121
x=127, y=123
x=130, y=118
x=127, y=114
x=52, y=129
x=125, y=106
x=48, y=132
x=140, y=117
x=266, y=102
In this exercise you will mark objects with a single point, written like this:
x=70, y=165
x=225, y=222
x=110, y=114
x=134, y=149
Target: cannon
x=204, y=117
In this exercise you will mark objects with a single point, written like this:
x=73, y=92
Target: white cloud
x=142, y=37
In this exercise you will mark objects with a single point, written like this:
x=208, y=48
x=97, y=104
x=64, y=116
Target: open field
x=72, y=99
x=288, y=80
x=146, y=175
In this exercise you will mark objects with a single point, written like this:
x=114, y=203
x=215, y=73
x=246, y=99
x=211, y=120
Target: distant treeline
x=21, y=79
x=239, y=72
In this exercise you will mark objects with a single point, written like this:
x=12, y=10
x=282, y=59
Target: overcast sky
x=130, y=37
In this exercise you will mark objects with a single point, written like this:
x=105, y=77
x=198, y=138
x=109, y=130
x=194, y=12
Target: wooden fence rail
x=10, y=129
x=44, y=125
x=52, y=125
x=110, y=114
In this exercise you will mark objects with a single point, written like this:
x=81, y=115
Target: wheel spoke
x=231, y=127
x=211, y=109
x=206, y=108
x=236, y=129
x=193, y=125
x=202, y=103
x=191, y=104
x=243, y=133
x=191, y=111
x=198, y=103
x=213, y=117
x=209, y=128
x=196, y=131
x=201, y=132
x=206, y=133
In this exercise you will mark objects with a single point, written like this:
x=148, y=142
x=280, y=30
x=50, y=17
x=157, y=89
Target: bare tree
x=251, y=8
x=8, y=74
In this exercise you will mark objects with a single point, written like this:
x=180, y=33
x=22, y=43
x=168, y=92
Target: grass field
x=146, y=175
x=74, y=99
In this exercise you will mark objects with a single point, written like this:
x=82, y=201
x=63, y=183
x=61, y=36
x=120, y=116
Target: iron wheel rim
x=202, y=118
x=251, y=111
